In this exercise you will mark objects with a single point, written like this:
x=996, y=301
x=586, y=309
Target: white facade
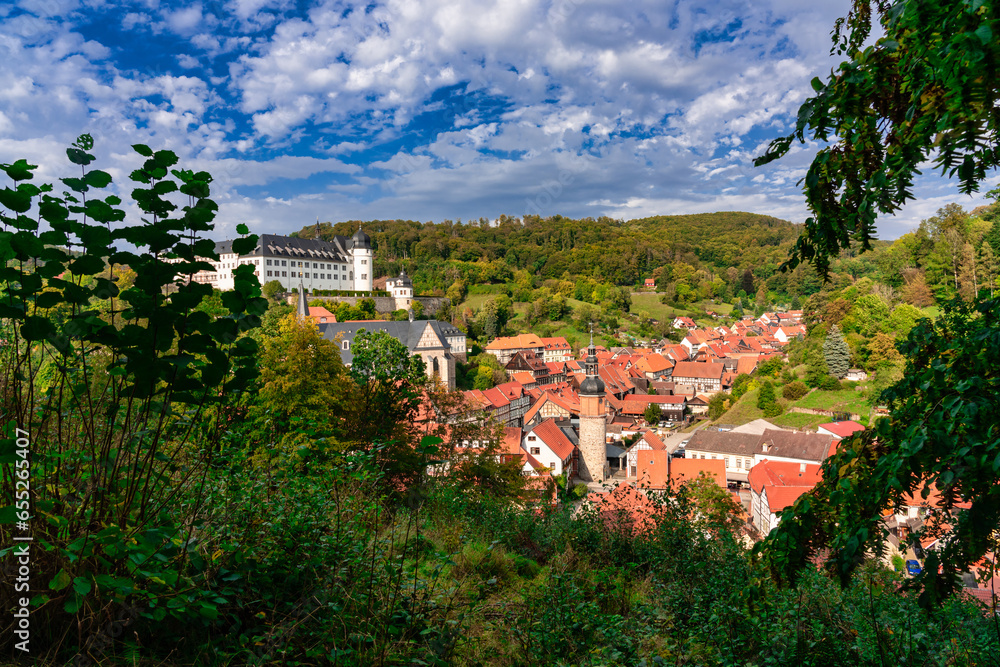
x=343, y=264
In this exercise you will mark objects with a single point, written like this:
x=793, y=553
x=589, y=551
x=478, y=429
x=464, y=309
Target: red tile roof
x=553, y=436
x=842, y=429
x=783, y=481
x=659, y=399
x=693, y=369
x=683, y=470
x=524, y=341
x=653, y=468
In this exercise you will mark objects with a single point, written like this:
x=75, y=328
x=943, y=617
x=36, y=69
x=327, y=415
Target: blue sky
x=431, y=109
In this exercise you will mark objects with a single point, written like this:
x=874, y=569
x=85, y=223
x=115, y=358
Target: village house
x=684, y=469
x=648, y=441
x=552, y=406
x=556, y=349
x=741, y=451
x=672, y=408
x=736, y=450
x=690, y=377
x=528, y=361
x=551, y=446
x=506, y=347
x=775, y=485
x=520, y=402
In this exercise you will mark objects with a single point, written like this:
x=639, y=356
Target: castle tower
x=593, y=428
x=361, y=251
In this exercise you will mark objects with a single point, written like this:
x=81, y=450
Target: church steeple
x=592, y=385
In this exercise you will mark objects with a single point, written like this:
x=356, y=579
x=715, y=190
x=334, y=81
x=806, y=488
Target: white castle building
x=341, y=264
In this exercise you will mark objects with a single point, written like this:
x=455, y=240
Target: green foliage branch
x=941, y=435
x=924, y=91
x=124, y=389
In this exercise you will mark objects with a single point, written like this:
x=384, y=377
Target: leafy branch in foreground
x=925, y=90
x=941, y=441
x=115, y=380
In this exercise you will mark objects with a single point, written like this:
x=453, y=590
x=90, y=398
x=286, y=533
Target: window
x=307, y=274
x=300, y=264
x=269, y=262
x=315, y=265
x=269, y=274
x=535, y=451
x=749, y=464
x=531, y=438
x=364, y=276
x=739, y=463
x=364, y=261
x=284, y=274
x=346, y=345
x=284, y=263
x=727, y=461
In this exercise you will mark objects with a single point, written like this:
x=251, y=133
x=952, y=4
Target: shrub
x=793, y=391
x=829, y=383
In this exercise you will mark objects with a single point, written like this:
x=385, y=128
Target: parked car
x=913, y=568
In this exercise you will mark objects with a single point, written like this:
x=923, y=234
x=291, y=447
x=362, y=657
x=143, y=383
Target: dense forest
x=954, y=252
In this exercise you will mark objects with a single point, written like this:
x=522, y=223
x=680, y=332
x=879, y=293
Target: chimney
x=802, y=469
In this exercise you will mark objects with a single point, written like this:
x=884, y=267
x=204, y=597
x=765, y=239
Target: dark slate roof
x=402, y=279
x=784, y=444
x=361, y=240
x=571, y=434
x=447, y=329
x=743, y=444
x=287, y=246
x=796, y=445
x=408, y=333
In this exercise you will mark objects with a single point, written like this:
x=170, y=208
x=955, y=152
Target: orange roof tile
x=683, y=470
x=553, y=436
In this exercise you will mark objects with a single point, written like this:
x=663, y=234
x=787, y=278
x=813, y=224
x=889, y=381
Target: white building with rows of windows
x=341, y=264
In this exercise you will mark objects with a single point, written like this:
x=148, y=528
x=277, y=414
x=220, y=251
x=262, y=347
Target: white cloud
x=564, y=106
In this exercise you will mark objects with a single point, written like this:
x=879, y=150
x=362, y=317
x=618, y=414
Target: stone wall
x=593, y=450
x=826, y=413
x=383, y=304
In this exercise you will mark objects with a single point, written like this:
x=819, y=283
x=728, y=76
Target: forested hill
x=608, y=250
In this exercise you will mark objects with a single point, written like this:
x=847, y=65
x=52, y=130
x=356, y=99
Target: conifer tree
x=836, y=353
